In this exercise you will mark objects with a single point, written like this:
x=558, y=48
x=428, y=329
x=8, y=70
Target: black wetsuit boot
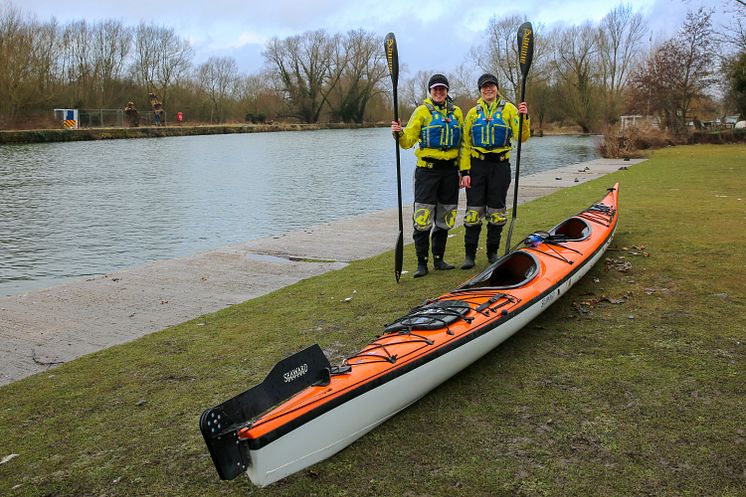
x=469, y=258
x=421, y=247
x=439, y=248
x=493, y=241
x=421, y=267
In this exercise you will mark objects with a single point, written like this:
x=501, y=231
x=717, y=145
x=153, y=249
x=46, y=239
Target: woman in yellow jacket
x=436, y=126
x=489, y=128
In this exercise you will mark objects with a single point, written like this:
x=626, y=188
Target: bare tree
x=257, y=98
x=576, y=66
x=112, y=42
x=307, y=68
x=43, y=83
x=463, y=88
x=93, y=58
x=414, y=91
x=218, y=78
x=15, y=45
x=361, y=76
x=498, y=53
x=619, y=37
x=161, y=58
x=733, y=34
x=677, y=72
x=28, y=51
x=78, y=65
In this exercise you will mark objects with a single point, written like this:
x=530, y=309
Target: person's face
x=439, y=94
x=488, y=92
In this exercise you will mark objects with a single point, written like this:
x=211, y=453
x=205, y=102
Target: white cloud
x=249, y=38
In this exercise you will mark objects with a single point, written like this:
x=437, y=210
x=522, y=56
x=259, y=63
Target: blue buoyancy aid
x=443, y=132
x=491, y=131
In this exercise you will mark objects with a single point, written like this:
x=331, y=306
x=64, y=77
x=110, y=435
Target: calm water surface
x=69, y=210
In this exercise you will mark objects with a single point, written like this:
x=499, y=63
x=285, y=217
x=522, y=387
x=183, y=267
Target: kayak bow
x=306, y=410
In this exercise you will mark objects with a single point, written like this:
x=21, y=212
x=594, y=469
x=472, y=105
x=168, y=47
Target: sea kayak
x=307, y=410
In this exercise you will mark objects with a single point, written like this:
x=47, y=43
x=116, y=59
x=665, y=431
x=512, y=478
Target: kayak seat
x=514, y=270
x=510, y=271
x=573, y=229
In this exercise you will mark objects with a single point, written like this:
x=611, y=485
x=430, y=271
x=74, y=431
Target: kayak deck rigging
x=599, y=213
x=401, y=346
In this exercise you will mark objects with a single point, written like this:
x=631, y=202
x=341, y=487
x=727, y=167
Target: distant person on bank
x=436, y=126
x=489, y=129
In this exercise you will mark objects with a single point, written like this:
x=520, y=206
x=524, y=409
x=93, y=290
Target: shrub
x=718, y=136
x=620, y=143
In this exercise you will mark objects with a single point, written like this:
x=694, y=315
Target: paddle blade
x=399, y=256
x=525, y=47
x=392, y=58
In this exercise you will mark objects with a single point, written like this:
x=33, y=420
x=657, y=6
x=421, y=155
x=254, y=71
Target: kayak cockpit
x=573, y=229
x=511, y=271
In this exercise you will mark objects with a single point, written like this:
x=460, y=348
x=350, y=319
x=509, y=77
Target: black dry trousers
x=435, y=186
x=490, y=181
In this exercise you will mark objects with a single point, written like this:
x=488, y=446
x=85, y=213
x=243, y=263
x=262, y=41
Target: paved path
x=44, y=328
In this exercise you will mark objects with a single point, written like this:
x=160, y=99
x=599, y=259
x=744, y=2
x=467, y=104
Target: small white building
x=635, y=121
x=730, y=121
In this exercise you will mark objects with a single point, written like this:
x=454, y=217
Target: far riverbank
x=89, y=134
x=86, y=134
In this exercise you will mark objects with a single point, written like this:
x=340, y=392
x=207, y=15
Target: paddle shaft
x=398, y=163
x=392, y=58
x=517, y=171
x=399, y=251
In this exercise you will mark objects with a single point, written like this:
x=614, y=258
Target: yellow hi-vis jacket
x=510, y=116
x=421, y=117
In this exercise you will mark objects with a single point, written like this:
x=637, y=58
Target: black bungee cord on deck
x=599, y=213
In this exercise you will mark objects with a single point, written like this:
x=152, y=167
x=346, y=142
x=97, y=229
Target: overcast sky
x=431, y=35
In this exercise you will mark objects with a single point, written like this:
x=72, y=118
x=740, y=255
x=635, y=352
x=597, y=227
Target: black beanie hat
x=437, y=80
x=487, y=78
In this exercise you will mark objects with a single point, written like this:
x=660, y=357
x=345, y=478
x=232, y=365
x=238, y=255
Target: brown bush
x=630, y=142
x=718, y=136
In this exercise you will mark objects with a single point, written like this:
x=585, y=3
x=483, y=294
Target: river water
x=70, y=210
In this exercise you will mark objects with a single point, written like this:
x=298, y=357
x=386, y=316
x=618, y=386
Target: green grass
x=593, y=398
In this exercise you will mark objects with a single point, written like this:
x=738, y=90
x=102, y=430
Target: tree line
x=584, y=75
x=590, y=74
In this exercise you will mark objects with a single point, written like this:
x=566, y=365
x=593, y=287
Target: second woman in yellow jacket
x=489, y=129
x=436, y=126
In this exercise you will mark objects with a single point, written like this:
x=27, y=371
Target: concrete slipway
x=41, y=329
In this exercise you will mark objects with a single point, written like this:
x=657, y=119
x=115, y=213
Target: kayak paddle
x=392, y=57
x=525, y=56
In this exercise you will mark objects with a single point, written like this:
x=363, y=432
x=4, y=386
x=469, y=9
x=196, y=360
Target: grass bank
x=87, y=134
x=631, y=384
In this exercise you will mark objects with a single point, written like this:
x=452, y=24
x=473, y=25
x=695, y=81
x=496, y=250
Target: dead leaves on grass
x=621, y=263
x=584, y=308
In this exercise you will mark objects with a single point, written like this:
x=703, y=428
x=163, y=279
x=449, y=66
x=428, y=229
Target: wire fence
x=116, y=118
